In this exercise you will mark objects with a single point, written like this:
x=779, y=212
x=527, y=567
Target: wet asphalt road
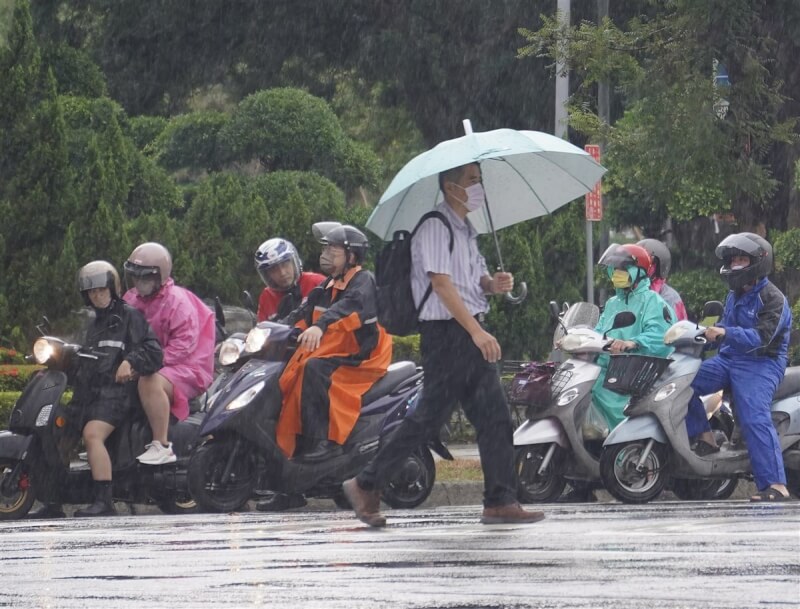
x=666, y=555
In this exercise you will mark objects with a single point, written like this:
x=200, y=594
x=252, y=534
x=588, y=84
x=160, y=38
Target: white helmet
x=273, y=252
x=98, y=274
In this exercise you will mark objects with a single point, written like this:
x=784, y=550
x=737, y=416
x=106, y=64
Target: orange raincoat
x=357, y=349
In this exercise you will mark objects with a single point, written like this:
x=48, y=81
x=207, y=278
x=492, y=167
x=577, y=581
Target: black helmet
x=344, y=235
x=98, y=274
x=755, y=247
x=660, y=255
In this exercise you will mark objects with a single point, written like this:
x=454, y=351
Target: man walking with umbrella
x=458, y=356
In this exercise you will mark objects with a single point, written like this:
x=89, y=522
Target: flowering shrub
x=14, y=377
x=11, y=356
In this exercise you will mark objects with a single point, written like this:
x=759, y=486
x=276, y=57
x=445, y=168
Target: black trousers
x=455, y=372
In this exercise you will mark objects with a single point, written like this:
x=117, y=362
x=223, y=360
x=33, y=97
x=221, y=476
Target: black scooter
x=240, y=459
x=44, y=433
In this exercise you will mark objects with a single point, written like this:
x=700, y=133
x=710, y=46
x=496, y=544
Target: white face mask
x=476, y=197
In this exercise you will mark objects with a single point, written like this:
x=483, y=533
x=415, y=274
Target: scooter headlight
x=676, y=331
x=256, y=339
x=44, y=415
x=572, y=342
x=664, y=392
x=567, y=396
x=245, y=398
x=230, y=351
x=45, y=350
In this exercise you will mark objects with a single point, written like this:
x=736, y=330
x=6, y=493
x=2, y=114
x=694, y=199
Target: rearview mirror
x=219, y=312
x=554, y=310
x=623, y=319
x=713, y=308
x=247, y=300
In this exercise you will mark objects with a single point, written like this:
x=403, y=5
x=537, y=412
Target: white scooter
x=651, y=446
x=562, y=438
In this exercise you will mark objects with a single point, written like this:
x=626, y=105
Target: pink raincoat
x=185, y=328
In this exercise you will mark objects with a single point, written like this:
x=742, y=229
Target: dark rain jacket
x=121, y=333
x=346, y=311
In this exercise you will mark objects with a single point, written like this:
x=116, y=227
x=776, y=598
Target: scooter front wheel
x=215, y=491
x=535, y=487
x=413, y=482
x=625, y=479
x=17, y=491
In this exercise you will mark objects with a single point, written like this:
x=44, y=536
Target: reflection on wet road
x=671, y=555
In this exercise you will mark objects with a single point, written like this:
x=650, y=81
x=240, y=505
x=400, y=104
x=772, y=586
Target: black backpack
x=396, y=310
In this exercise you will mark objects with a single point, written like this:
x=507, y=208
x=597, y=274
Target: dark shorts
x=113, y=405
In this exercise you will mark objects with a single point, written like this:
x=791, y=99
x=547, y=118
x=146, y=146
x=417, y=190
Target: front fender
x=14, y=446
x=543, y=431
x=642, y=427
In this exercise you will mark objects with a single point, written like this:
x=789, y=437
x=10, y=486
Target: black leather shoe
x=98, y=508
x=324, y=449
x=48, y=510
x=281, y=501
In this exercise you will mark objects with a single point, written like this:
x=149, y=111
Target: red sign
x=594, y=199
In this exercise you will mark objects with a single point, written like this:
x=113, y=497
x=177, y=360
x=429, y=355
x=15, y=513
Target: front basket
x=634, y=374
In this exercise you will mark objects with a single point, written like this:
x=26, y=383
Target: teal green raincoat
x=653, y=318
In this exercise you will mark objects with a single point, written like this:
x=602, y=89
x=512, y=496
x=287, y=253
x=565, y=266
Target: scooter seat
x=395, y=374
x=790, y=383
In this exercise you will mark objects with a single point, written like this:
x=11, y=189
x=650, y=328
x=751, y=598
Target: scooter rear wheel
x=206, y=470
x=17, y=501
x=413, y=482
x=533, y=487
x=618, y=469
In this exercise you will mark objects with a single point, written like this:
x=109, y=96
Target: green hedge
x=406, y=348
x=15, y=377
x=7, y=399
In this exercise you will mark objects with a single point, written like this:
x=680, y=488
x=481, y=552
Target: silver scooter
x=562, y=438
x=651, y=446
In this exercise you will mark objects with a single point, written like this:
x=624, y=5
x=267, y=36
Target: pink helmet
x=149, y=260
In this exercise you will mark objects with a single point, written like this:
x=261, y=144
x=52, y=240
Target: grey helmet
x=98, y=274
x=755, y=247
x=344, y=235
x=660, y=255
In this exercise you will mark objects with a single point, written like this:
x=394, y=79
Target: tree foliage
x=674, y=153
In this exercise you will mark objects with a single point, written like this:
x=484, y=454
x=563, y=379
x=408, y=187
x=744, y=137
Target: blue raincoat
x=653, y=318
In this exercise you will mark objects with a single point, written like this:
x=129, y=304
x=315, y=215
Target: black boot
x=48, y=510
x=321, y=450
x=103, y=504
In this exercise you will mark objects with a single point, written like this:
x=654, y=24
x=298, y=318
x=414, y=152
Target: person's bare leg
x=94, y=437
x=155, y=393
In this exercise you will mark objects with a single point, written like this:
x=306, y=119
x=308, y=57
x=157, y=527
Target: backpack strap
x=446, y=222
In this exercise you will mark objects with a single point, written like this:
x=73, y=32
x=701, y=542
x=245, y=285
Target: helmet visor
x=94, y=280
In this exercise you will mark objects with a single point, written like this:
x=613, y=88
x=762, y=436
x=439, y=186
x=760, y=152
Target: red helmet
x=622, y=256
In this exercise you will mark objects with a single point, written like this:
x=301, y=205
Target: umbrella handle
x=523, y=292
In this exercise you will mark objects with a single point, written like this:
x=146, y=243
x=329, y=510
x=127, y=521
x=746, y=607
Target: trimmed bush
x=7, y=400
x=406, y=348
x=15, y=377
x=698, y=287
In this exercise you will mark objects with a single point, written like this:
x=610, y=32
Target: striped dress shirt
x=430, y=254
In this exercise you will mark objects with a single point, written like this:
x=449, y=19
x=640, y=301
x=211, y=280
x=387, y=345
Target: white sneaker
x=157, y=454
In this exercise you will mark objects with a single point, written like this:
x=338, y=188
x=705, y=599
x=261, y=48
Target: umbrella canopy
x=526, y=174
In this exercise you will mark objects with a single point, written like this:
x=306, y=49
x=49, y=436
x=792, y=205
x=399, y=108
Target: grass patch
x=459, y=470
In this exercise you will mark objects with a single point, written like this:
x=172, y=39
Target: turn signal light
x=60, y=421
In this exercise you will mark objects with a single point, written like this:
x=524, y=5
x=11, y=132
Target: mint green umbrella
x=526, y=174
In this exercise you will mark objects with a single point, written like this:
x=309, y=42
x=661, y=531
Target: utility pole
x=604, y=113
x=562, y=79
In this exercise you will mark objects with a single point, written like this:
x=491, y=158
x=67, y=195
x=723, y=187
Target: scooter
x=45, y=431
x=562, y=437
x=240, y=459
x=651, y=445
